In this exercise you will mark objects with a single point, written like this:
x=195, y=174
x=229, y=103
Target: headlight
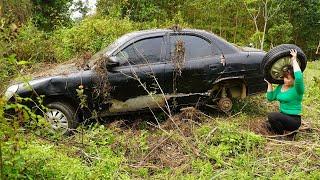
x=11, y=91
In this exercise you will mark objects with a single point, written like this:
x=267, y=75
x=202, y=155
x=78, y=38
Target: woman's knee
x=273, y=116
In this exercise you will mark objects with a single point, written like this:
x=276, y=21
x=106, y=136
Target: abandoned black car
x=145, y=70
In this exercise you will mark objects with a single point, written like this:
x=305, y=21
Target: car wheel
x=277, y=59
x=61, y=116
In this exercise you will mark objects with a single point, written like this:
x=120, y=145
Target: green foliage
x=81, y=7
x=228, y=142
x=312, y=94
x=256, y=39
x=42, y=161
x=143, y=141
x=15, y=11
x=139, y=10
x=32, y=45
x=233, y=20
x=91, y=35
x=305, y=20
x=226, y=150
x=203, y=168
x=280, y=34
x=49, y=15
x=99, y=136
x=26, y=156
x=223, y=149
x=109, y=8
x=8, y=68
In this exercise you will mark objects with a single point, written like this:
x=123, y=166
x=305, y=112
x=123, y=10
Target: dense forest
x=34, y=33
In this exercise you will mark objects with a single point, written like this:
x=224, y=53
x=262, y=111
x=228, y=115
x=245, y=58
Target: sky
x=91, y=5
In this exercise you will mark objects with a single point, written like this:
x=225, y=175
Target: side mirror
x=112, y=62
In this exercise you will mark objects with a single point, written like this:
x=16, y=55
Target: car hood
x=63, y=69
x=52, y=85
x=64, y=74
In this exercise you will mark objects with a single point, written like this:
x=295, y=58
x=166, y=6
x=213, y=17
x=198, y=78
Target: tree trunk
x=318, y=48
x=265, y=23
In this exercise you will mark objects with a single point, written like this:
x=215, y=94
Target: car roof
x=148, y=31
x=140, y=33
x=153, y=31
x=224, y=44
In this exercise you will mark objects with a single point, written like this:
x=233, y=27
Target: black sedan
x=161, y=68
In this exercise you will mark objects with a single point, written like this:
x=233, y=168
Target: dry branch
x=155, y=149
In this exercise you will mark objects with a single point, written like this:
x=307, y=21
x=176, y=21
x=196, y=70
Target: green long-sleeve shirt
x=290, y=100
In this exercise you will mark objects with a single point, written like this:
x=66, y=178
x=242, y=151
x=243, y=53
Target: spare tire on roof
x=277, y=59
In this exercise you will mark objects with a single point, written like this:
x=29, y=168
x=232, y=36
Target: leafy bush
x=42, y=161
x=281, y=33
x=8, y=69
x=32, y=45
x=228, y=141
x=91, y=35
x=26, y=156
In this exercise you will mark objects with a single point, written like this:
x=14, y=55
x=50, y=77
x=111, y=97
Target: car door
x=141, y=69
x=199, y=64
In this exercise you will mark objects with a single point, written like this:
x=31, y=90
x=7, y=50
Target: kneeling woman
x=290, y=96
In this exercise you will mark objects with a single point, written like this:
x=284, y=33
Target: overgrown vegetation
x=191, y=145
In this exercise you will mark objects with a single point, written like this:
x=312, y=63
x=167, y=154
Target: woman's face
x=288, y=80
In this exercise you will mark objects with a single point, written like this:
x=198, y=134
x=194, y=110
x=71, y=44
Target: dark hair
x=288, y=70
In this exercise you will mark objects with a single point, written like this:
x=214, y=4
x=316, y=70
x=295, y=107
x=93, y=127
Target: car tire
x=62, y=117
x=277, y=59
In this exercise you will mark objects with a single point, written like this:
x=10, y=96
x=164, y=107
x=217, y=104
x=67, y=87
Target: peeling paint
x=147, y=101
x=141, y=102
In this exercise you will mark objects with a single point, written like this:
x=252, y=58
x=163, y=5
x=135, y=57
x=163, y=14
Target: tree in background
x=263, y=11
x=50, y=14
x=266, y=23
x=138, y=10
x=280, y=33
x=80, y=6
x=46, y=14
x=14, y=11
x=304, y=15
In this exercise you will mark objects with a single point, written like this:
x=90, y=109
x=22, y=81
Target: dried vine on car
x=102, y=89
x=178, y=61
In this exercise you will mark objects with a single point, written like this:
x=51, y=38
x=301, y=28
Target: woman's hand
x=270, y=88
x=266, y=81
x=293, y=53
x=294, y=62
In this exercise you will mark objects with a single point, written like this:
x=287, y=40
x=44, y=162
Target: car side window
x=144, y=51
x=194, y=46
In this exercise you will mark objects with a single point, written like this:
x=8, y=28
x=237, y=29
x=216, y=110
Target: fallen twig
x=239, y=111
x=144, y=166
x=282, y=135
x=305, y=126
x=210, y=133
x=155, y=148
x=293, y=143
